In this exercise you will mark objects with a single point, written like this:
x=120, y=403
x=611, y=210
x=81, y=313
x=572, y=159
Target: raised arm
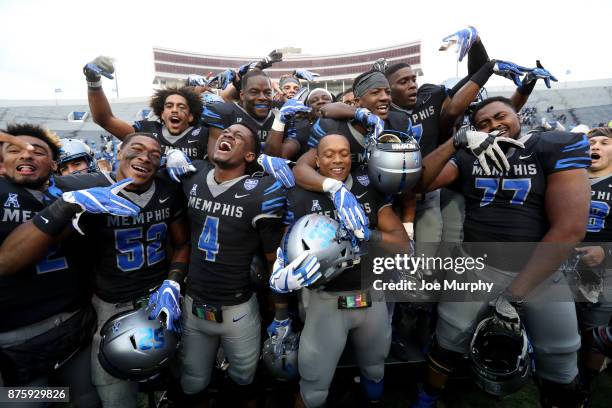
x=98, y=104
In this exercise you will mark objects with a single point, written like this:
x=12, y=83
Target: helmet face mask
x=501, y=363
x=284, y=366
x=323, y=238
x=394, y=163
x=135, y=348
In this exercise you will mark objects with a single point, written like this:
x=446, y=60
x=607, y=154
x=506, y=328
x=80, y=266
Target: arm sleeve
x=477, y=57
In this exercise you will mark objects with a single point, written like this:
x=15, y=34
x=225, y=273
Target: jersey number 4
x=132, y=250
x=521, y=188
x=208, y=241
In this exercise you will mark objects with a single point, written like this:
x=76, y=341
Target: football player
x=539, y=194
x=130, y=257
x=76, y=158
x=254, y=109
x=595, y=257
x=177, y=109
x=364, y=322
x=291, y=128
x=373, y=98
x=48, y=321
x=231, y=215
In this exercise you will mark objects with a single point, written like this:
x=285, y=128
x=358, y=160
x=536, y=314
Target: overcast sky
x=46, y=43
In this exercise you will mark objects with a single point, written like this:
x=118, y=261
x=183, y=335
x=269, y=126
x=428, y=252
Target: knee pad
x=373, y=389
x=192, y=384
x=559, y=395
x=442, y=361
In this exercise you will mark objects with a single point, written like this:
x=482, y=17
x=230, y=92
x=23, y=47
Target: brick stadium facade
x=337, y=71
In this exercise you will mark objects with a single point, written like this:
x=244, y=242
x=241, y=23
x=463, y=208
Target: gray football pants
x=452, y=207
x=238, y=334
x=73, y=373
x=324, y=336
x=114, y=392
x=552, y=326
x=428, y=224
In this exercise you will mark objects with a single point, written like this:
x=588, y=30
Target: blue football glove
x=305, y=74
x=103, y=200
x=277, y=168
x=373, y=123
x=178, y=164
x=52, y=192
x=463, y=38
x=291, y=108
x=510, y=70
x=350, y=212
x=167, y=299
x=223, y=79
x=301, y=272
x=537, y=73
x=279, y=329
x=196, y=80
x=100, y=66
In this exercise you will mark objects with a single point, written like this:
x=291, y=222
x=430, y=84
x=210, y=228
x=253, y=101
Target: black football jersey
x=46, y=288
x=130, y=253
x=302, y=135
x=229, y=222
x=599, y=228
x=302, y=202
x=425, y=116
x=223, y=115
x=325, y=126
x=193, y=141
x=510, y=206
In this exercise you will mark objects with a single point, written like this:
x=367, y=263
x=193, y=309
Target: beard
x=35, y=184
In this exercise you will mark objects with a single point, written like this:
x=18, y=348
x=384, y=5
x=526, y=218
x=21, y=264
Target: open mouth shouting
x=26, y=169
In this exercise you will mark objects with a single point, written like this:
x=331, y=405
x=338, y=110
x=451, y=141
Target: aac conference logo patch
x=250, y=184
x=364, y=180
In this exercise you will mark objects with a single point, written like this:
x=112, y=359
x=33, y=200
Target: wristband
x=95, y=85
x=481, y=77
x=53, y=219
x=278, y=124
x=331, y=185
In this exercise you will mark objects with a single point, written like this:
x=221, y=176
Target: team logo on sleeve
x=250, y=184
x=316, y=206
x=364, y=180
x=12, y=201
x=194, y=190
